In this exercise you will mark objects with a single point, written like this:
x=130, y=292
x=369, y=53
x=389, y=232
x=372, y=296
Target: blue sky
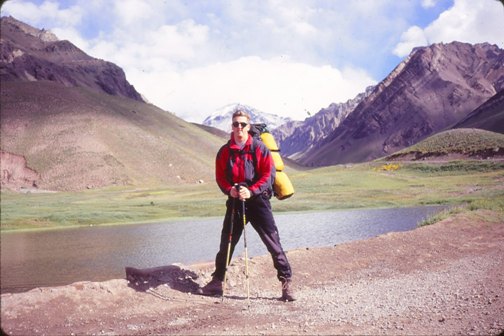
x=285, y=57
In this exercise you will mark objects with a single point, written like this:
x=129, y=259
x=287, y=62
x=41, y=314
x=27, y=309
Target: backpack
x=282, y=186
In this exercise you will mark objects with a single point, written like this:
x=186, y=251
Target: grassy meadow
x=466, y=184
x=465, y=141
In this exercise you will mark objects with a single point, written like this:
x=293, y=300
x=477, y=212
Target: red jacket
x=233, y=165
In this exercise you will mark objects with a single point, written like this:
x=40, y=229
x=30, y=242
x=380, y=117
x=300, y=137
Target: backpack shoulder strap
x=253, y=151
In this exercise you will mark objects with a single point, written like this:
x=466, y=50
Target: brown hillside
x=77, y=138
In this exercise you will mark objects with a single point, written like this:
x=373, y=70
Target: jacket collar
x=234, y=146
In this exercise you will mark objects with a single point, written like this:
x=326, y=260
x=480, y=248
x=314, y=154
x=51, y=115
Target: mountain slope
x=489, y=116
x=71, y=122
x=434, y=88
x=77, y=138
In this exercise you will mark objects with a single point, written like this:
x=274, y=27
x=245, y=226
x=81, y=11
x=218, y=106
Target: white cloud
x=71, y=34
x=178, y=43
x=276, y=86
x=466, y=21
x=24, y=11
x=48, y=10
x=428, y=3
x=470, y=21
x=166, y=47
x=130, y=12
x=413, y=37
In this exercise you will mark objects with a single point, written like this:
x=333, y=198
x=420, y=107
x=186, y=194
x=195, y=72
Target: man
x=247, y=162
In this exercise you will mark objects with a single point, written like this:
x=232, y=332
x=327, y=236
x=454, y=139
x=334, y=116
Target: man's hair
x=241, y=113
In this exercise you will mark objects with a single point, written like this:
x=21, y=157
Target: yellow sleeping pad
x=283, y=186
x=277, y=160
x=269, y=141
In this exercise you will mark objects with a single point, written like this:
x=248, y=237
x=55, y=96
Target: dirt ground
x=443, y=279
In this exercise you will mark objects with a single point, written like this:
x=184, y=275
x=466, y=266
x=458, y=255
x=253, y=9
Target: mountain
x=433, y=89
x=60, y=134
x=29, y=54
x=296, y=137
x=221, y=118
x=489, y=116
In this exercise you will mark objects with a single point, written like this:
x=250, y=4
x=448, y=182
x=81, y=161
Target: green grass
x=494, y=204
x=459, y=167
x=114, y=206
x=474, y=184
x=457, y=141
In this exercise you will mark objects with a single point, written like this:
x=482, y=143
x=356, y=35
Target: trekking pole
x=230, y=238
x=246, y=253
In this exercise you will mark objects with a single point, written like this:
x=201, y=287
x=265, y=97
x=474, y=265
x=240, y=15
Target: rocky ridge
x=29, y=54
x=297, y=137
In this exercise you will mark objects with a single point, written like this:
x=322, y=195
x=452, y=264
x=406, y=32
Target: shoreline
x=185, y=218
x=446, y=278
x=337, y=227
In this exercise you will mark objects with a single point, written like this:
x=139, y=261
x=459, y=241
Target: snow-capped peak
x=221, y=118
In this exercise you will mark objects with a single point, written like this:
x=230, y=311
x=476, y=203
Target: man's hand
x=234, y=193
x=243, y=193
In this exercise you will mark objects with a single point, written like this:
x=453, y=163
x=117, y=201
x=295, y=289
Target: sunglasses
x=242, y=124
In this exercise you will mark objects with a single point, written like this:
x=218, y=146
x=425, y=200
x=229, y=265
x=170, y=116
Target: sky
x=285, y=57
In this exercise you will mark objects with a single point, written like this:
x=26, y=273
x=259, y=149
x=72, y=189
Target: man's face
x=240, y=126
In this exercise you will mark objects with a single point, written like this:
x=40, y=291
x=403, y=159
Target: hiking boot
x=287, y=291
x=213, y=288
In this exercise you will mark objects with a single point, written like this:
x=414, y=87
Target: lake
x=59, y=257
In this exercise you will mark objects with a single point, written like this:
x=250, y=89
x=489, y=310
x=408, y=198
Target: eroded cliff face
x=15, y=173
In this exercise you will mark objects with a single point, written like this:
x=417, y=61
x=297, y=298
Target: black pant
x=258, y=213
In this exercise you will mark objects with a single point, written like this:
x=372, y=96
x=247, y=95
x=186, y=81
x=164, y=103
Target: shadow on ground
x=149, y=278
